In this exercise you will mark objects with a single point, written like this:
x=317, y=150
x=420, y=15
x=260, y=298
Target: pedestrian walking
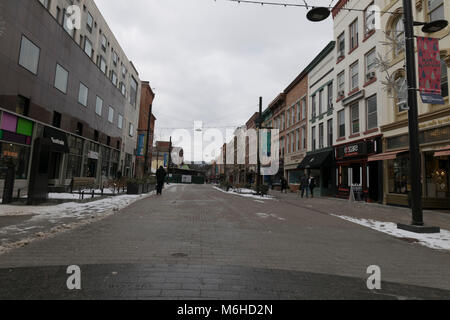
x=304, y=185
x=160, y=177
x=284, y=185
x=312, y=185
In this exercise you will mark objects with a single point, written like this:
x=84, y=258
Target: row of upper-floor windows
x=85, y=42
x=322, y=101
x=294, y=141
x=354, y=78
x=435, y=10
x=351, y=37
x=29, y=59
x=290, y=117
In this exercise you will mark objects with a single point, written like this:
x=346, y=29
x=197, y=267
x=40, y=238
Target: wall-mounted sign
x=58, y=140
x=186, y=179
x=14, y=137
x=355, y=149
x=93, y=155
x=10, y=154
x=16, y=130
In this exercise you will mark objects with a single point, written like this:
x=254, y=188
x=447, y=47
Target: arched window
x=399, y=35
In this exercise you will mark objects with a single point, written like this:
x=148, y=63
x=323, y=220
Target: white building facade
x=358, y=109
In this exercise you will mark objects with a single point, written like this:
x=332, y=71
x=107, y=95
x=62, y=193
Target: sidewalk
x=364, y=210
x=21, y=225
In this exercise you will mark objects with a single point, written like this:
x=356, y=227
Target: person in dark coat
x=284, y=184
x=160, y=178
x=312, y=185
x=304, y=186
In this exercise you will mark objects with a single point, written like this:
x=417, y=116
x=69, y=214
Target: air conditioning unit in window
x=371, y=75
x=402, y=106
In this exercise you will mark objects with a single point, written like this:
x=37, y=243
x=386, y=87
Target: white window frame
x=354, y=76
x=98, y=106
x=61, y=74
x=111, y=115
x=27, y=58
x=83, y=100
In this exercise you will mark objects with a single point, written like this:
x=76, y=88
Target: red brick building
x=147, y=97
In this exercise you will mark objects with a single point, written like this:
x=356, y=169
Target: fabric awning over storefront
x=316, y=160
x=444, y=152
x=386, y=156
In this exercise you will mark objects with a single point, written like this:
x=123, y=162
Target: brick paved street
x=195, y=242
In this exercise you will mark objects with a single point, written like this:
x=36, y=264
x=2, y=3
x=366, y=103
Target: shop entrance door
x=91, y=168
x=373, y=181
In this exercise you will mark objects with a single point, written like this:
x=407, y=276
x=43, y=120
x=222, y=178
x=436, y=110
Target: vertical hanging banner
x=141, y=143
x=429, y=70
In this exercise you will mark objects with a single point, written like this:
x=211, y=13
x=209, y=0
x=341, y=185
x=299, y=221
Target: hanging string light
x=304, y=5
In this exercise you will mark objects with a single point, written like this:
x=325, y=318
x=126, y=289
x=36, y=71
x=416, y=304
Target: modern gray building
x=73, y=87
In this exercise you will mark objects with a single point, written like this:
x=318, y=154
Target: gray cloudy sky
x=211, y=60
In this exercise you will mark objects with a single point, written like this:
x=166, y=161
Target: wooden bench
x=82, y=183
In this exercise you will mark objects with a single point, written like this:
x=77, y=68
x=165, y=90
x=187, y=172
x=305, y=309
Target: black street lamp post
x=415, y=195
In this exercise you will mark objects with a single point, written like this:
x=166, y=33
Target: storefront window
x=115, y=155
x=73, y=167
x=294, y=176
x=75, y=159
x=437, y=176
x=19, y=155
x=106, y=161
x=398, y=175
x=75, y=145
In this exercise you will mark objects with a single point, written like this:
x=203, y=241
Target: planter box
x=134, y=188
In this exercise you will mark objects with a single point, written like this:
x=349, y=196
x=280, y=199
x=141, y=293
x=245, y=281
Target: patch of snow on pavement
x=265, y=216
x=70, y=196
x=439, y=241
x=245, y=195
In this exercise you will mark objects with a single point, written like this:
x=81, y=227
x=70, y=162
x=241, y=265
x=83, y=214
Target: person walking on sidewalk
x=160, y=177
x=312, y=185
x=304, y=186
x=284, y=185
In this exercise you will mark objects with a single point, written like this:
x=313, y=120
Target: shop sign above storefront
x=352, y=150
x=93, y=155
x=58, y=140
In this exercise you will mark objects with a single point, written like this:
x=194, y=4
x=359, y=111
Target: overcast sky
x=211, y=60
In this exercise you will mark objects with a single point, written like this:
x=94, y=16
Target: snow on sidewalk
x=246, y=193
x=439, y=241
x=47, y=221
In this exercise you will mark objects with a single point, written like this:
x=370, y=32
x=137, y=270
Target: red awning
x=442, y=153
x=445, y=152
x=386, y=156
